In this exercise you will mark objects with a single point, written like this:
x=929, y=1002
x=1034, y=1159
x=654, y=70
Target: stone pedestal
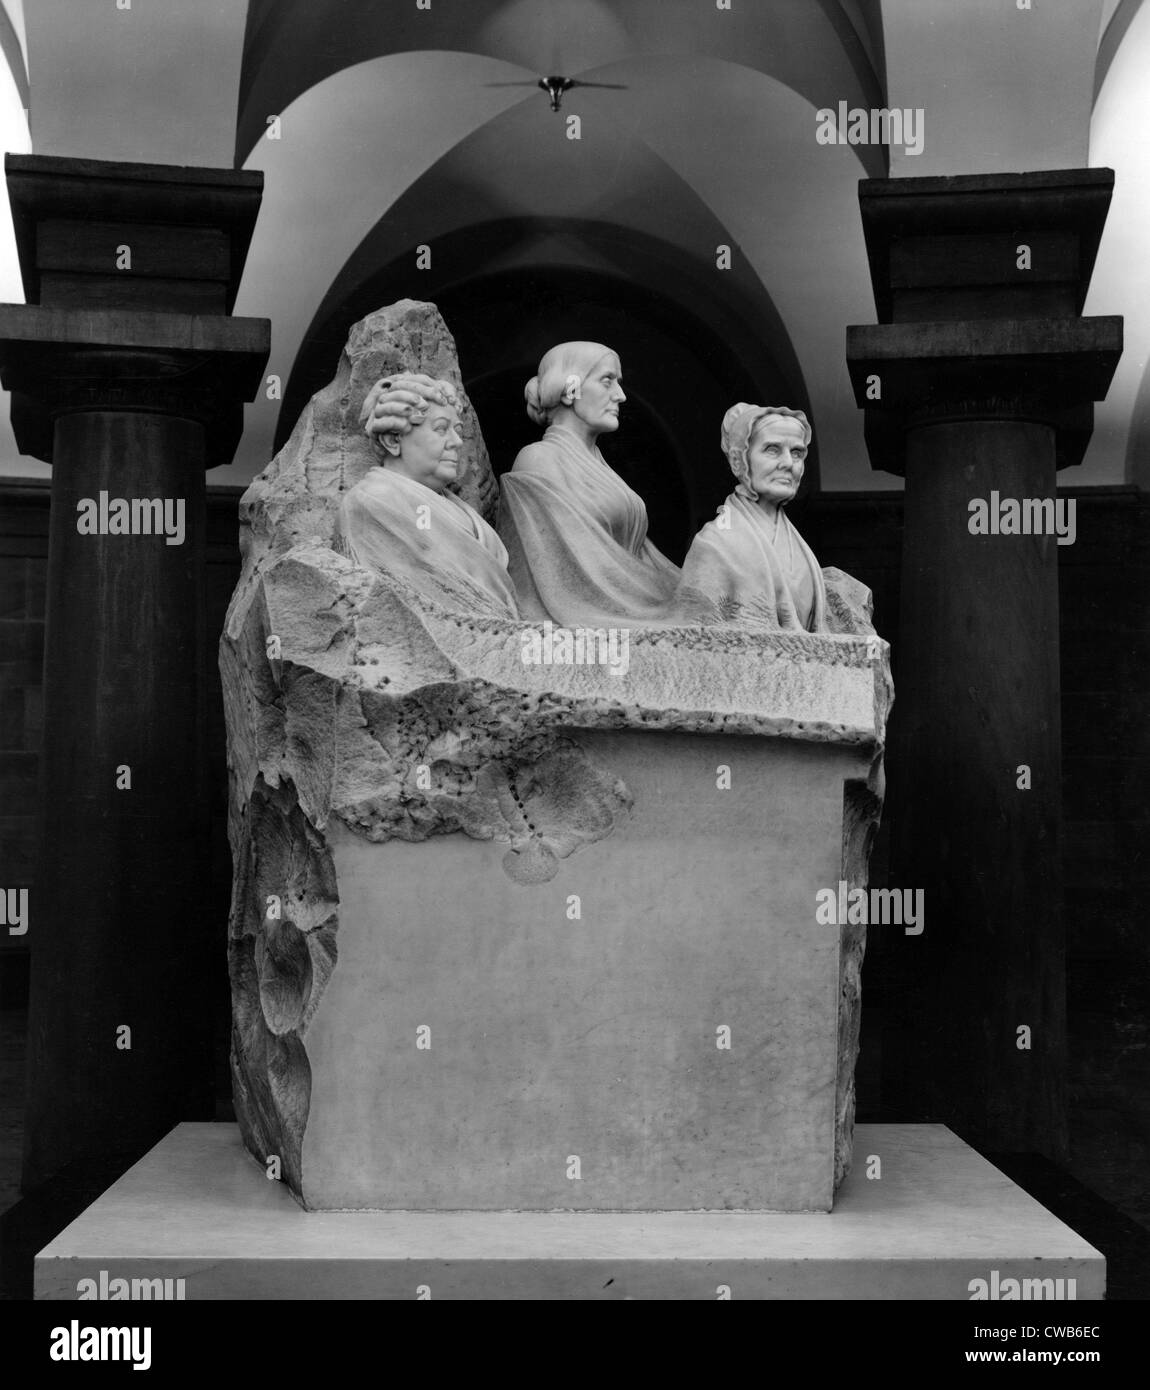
x=585, y=968
x=535, y=936
x=197, y=1220
x=671, y=1047
x=129, y=377
x=979, y=383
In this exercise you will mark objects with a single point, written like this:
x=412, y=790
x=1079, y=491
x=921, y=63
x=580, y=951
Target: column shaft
x=978, y=701
x=130, y=380
x=119, y=943
x=979, y=384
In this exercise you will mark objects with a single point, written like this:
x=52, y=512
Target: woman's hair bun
x=536, y=410
x=549, y=388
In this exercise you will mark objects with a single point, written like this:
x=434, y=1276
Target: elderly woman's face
x=776, y=457
x=429, y=454
x=601, y=395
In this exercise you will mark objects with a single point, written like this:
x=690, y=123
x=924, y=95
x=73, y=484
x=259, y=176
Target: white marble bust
x=575, y=532
x=401, y=518
x=750, y=564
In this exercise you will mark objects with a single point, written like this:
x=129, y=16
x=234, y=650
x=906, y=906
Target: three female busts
x=574, y=545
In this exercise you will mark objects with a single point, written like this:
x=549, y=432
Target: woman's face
x=430, y=453
x=600, y=396
x=776, y=457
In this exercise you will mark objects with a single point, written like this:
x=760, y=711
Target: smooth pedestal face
x=654, y=1028
x=199, y=1213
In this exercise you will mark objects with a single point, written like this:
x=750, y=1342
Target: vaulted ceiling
x=397, y=129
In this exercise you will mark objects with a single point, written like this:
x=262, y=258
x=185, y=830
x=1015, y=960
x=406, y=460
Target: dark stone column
x=981, y=379
x=129, y=376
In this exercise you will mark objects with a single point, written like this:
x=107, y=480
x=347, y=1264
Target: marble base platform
x=197, y=1209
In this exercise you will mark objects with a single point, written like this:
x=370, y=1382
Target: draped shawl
x=753, y=572
x=453, y=553
x=576, y=537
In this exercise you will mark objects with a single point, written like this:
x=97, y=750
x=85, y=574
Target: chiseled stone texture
x=297, y=497
x=378, y=719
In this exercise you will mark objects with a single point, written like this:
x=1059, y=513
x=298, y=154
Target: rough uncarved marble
x=380, y=721
x=297, y=497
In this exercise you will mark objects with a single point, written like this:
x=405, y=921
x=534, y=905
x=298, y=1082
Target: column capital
x=188, y=230
x=58, y=361
x=979, y=281
x=1049, y=370
x=950, y=247
x=131, y=271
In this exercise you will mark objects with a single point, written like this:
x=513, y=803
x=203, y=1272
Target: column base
x=198, y=1214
